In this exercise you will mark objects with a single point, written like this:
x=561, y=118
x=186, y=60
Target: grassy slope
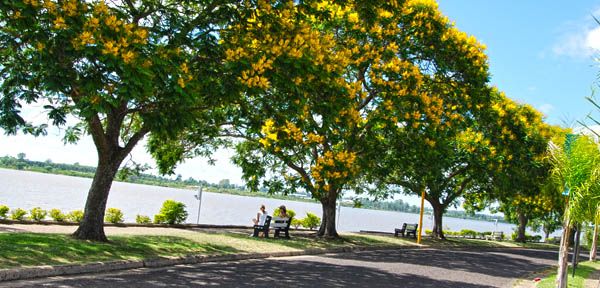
x=31, y=249
x=584, y=269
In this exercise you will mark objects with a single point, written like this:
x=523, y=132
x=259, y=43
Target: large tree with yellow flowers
x=519, y=177
x=118, y=72
x=322, y=79
x=492, y=143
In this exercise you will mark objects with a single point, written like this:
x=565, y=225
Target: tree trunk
x=438, y=216
x=546, y=234
x=92, y=225
x=521, y=229
x=328, y=229
x=563, y=255
x=594, y=243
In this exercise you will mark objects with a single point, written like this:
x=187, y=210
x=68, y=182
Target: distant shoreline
x=81, y=171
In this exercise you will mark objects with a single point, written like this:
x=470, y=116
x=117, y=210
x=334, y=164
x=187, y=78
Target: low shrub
x=311, y=221
x=57, y=215
x=172, y=212
x=296, y=223
x=3, y=211
x=289, y=212
x=75, y=216
x=18, y=214
x=38, y=214
x=142, y=219
x=113, y=215
x=428, y=232
x=159, y=219
x=468, y=233
x=528, y=237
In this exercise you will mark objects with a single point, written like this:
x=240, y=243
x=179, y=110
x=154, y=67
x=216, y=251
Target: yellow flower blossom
x=353, y=17
x=110, y=47
x=128, y=57
x=59, y=23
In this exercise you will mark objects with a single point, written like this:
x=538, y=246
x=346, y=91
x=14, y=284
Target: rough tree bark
x=563, y=255
x=594, y=243
x=438, y=216
x=110, y=156
x=523, y=220
x=328, y=229
x=92, y=225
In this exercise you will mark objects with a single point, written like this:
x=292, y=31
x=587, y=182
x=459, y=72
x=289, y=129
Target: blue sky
x=541, y=54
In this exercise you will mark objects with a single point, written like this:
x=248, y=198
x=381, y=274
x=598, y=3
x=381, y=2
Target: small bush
x=311, y=221
x=289, y=212
x=296, y=223
x=533, y=238
x=113, y=215
x=142, y=219
x=75, y=216
x=528, y=237
x=3, y=211
x=18, y=214
x=159, y=219
x=57, y=215
x=38, y=214
x=172, y=212
x=428, y=232
x=468, y=233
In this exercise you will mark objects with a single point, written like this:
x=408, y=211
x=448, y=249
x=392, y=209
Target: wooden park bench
x=496, y=235
x=281, y=225
x=262, y=228
x=407, y=230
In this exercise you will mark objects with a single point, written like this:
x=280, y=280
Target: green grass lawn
x=465, y=242
x=32, y=249
x=584, y=269
x=29, y=249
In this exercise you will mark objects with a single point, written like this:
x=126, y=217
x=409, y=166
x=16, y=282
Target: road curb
x=109, y=266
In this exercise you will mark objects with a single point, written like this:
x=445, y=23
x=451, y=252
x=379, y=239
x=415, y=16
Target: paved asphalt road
x=390, y=268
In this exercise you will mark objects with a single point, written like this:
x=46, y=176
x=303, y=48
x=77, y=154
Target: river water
x=23, y=189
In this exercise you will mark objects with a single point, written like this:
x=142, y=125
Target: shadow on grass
x=461, y=243
x=309, y=240
x=29, y=249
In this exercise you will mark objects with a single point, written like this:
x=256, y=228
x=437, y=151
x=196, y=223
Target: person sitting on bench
x=261, y=216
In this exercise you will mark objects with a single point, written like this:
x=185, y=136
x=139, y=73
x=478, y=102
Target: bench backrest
x=411, y=227
x=279, y=222
x=267, y=222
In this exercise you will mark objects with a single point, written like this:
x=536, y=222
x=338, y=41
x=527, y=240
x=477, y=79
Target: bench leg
x=255, y=234
x=267, y=233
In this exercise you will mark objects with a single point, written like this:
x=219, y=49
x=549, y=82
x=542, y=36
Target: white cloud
x=586, y=130
x=592, y=39
x=546, y=108
x=578, y=39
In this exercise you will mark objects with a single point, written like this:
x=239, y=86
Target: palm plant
x=577, y=168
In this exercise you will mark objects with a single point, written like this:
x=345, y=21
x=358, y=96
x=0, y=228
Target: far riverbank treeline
x=224, y=186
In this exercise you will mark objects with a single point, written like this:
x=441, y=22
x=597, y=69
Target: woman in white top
x=261, y=216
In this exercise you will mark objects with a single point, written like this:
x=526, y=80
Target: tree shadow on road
x=508, y=263
x=264, y=273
